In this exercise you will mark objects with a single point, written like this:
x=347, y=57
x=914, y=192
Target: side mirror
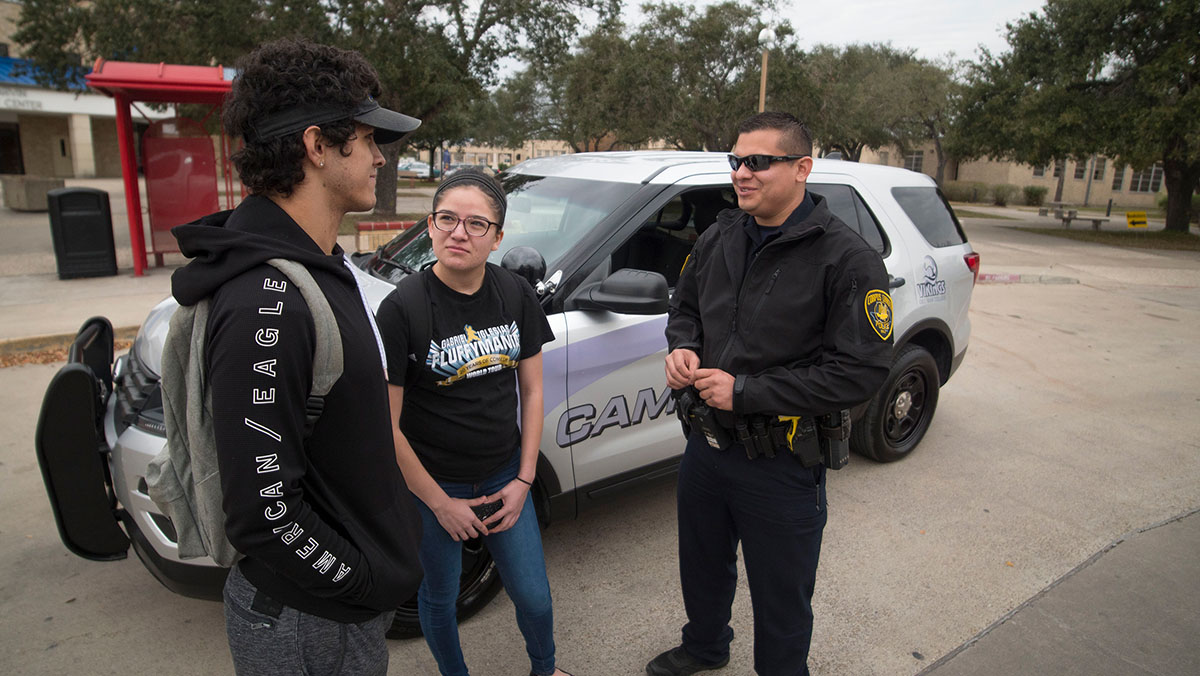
x=628, y=291
x=526, y=262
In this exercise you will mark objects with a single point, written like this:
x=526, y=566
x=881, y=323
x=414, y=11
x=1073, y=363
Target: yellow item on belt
x=795, y=421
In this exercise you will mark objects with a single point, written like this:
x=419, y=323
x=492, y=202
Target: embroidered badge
x=879, y=311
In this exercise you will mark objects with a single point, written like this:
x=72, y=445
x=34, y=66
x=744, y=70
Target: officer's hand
x=681, y=368
x=716, y=388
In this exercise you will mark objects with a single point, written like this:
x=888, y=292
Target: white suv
x=577, y=225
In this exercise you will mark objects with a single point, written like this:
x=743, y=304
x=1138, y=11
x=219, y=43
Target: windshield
x=549, y=213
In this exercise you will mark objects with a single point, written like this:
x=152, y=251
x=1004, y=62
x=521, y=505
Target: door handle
x=895, y=282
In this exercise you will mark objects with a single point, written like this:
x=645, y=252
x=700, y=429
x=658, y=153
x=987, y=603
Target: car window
x=549, y=213
x=846, y=204
x=664, y=240
x=928, y=210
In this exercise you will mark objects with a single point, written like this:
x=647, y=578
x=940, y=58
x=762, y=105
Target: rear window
x=931, y=214
x=846, y=204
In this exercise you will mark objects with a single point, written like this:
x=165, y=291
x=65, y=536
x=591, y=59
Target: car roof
x=667, y=167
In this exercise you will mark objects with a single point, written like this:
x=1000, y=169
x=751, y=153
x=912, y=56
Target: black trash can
x=81, y=226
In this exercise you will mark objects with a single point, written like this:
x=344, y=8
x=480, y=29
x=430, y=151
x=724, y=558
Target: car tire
x=899, y=414
x=480, y=582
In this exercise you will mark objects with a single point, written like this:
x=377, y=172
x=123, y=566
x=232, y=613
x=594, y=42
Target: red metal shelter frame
x=156, y=83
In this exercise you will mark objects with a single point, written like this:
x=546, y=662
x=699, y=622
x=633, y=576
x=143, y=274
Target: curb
x=60, y=341
x=1006, y=278
x=948, y=657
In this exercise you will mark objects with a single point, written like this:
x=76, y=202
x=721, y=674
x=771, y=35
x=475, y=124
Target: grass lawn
x=967, y=213
x=1151, y=239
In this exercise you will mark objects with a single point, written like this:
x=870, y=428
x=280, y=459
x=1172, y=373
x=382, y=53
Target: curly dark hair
x=797, y=140
x=280, y=75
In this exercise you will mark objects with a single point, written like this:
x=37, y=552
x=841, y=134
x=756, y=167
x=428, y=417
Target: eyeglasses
x=760, y=162
x=476, y=226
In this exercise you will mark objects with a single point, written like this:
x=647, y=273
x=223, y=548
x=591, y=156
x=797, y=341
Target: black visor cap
x=389, y=125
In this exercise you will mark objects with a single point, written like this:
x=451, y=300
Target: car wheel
x=901, y=411
x=479, y=584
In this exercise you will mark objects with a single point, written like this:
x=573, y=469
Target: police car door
x=620, y=421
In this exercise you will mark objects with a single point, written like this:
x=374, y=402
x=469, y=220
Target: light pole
x=766, y=36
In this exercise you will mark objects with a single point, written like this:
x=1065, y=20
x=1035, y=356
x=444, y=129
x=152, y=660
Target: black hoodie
x=326, y=524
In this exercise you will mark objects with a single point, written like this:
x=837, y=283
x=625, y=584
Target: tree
x=434, y=57
x=929, y=95
x=603, y=95
x=1115, y=77
x=60, y=36
x=709, y=69
x=852, y=97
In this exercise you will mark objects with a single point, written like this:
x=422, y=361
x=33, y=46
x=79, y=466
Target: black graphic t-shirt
x=460, y=413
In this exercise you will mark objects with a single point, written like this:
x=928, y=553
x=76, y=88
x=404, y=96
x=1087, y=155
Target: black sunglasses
x=760, y=162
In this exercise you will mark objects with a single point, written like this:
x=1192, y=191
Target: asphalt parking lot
x=1072, y=422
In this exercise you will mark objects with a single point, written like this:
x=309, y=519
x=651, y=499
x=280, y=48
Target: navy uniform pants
x=776, y=509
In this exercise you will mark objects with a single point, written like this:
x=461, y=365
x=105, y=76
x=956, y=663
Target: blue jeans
x=518, y=555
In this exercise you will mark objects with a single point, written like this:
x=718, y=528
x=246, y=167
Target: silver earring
x=322, y=163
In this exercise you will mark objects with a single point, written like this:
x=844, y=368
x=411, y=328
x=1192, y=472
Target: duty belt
x=761, y=435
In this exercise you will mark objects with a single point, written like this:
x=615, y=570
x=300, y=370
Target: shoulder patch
x=878, y=307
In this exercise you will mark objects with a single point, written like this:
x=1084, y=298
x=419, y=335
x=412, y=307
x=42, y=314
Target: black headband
x=478, y=179
x=389, y=125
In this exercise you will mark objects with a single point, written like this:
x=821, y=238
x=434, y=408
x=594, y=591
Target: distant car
x=602, y=236
x=420, y=168
x=482, y=167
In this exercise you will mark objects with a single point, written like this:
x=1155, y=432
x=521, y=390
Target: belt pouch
x=807, y=450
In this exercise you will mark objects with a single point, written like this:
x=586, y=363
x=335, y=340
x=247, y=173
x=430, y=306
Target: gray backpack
x=183, y=479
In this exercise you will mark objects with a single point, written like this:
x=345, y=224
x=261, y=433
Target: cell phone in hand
x=482, y=512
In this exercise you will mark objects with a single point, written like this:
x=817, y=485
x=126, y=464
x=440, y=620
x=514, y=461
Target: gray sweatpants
x=270, y=639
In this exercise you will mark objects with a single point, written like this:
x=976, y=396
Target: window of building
x=883, y=157
x=1118, y=177
x=1059, y=166
x=3, y=49
x=1098, y=170
x=1146, y=180
x=915, y=160
x=1080, y=170
x=1039, y=172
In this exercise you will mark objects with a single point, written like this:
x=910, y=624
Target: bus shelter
x=178, y=156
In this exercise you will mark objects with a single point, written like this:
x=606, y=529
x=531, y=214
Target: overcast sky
x=932, y=27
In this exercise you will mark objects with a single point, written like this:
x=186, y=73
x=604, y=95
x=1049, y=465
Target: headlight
x=148, y=347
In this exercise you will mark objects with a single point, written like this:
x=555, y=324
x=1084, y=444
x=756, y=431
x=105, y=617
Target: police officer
x=781, y=310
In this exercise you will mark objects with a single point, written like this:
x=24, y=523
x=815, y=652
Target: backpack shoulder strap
x=327, y=352
x=414, y=298
x=510, y=288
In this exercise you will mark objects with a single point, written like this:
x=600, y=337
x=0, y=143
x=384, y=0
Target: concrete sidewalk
x=1132, y=609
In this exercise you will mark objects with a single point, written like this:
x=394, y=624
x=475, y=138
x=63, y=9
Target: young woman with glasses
x=458, y=443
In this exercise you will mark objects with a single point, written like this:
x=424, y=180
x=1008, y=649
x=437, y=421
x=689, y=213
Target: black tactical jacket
x=806, y=328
